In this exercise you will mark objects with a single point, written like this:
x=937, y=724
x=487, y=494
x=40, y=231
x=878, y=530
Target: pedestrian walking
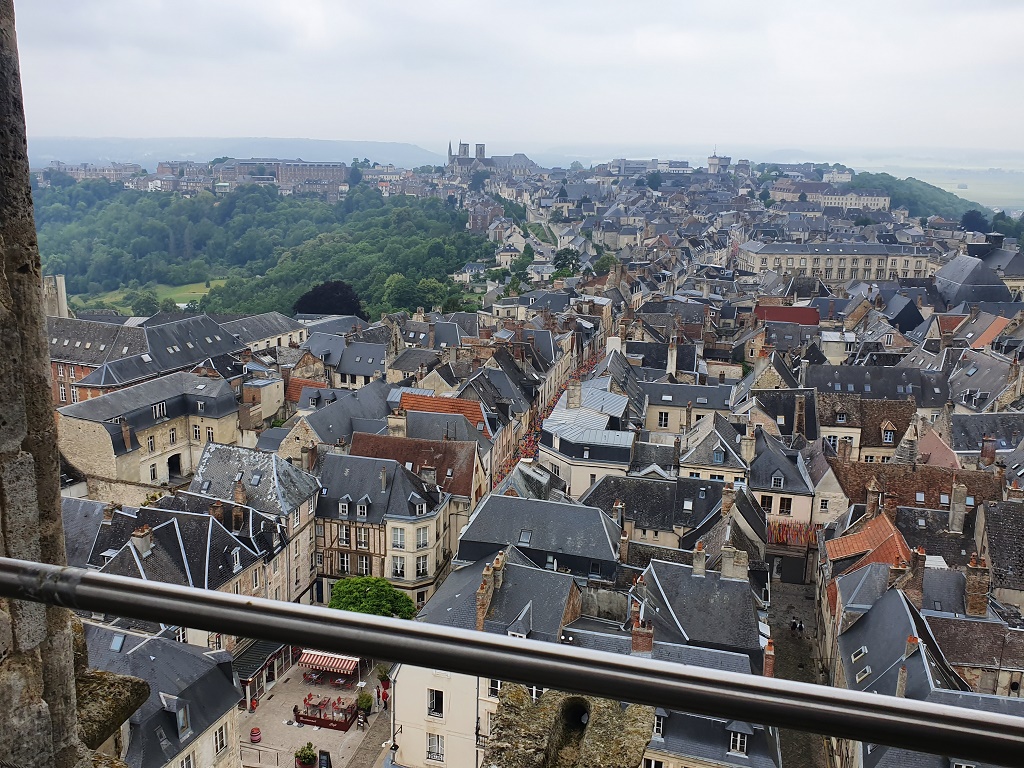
x=800, y=628
x=792, y=626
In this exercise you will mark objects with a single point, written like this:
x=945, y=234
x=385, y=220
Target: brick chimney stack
x=484, y=593
x=872, y=499
x=914, y=590
x=237, y=511
x=700, y=559
x=689, y=415
x=748, y=445
x=799, y=415
x=498, y=566
x=142, y=540
x=383, y=479
x=988, y=451
x=912, y=645
x=619, y=512
x=397, y=423
x=574, y=394
x=957, y=507
x=979, y=581
x=769, y=659
x=126, y=434
x=844, y=450
x=897, y=570
x=642, y=634
x=901, y=682
x=624, y=547
x=728, y=499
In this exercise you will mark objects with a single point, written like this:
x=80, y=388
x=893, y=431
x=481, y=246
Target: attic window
x=146, y=358
x=920, y=496
x=255, y=479
x=124, y=351
x=369, y=360
x=687, y=503
x=667, y=398
x=867, y=387
x=209, y=340
x=777, y=481
x=217, y=338
x=840, y=418
x=702, y=401
x=117, y=643
x=780, y=420
x=524, y=538
x=972, y=371
x=323, y=491
x=358, y=357
x=863, y=674
x=205, y=486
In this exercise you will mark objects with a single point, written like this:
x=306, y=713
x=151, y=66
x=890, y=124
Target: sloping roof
x=471, y=409
x=178, y=675
x=263, y=326
x=874, y=534
x=452, y=460
x=271, y=484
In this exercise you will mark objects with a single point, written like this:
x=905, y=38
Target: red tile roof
x=454, y=456
x=471, y=409
x=295, y=385
x=874, y=534
x=799, y=315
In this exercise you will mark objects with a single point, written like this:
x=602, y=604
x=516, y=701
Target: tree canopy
x=370, y=594
x=566, y=258
x=975, y=221
x=334, y=297
x=920, y=198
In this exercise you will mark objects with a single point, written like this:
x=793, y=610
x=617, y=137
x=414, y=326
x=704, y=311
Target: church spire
x=450, y=153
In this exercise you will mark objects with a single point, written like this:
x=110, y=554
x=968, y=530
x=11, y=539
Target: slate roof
x=438, y=426
x=965, y=278
x=272, y=485
x=362, y=358
x=711, y=434
x=411, y=358
x=929, y=528
x=453, y=460
x=782, y=402
x=471, y=409
x=1004, y=520
x=709, y=611
x=1007, y=427
x=328, y=347
x=81, y=519
x=263, y=326
x=545, y=594
x=880, y=382
x=337, y=421
x=979, y=378
x=91, y=343
x=715, y=396
x=656, y=504
x=353, y=478
x=572, y=529
x=773, y=459
x=178, y=674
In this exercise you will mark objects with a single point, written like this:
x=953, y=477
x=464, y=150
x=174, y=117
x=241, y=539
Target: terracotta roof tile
x=295, y=385
x=871, y=536
x=471, y=409
x=455, y=456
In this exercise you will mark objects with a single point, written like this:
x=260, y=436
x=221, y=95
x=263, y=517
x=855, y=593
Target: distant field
x=992, y=187
x=181, y=294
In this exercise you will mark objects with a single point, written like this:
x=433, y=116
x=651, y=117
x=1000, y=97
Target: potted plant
x=305, y=756
x=382, y=674
x=364, y=702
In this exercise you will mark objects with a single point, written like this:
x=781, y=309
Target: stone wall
x=39, y=721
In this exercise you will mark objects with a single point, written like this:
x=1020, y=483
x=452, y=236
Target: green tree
x=476, y=182
x=400, y=292
x=605, y=264
x=452, y=304
x=334, y=297
x=576, y=165
x=370, y=594
x=169, y=305
x=765, y=196
x=354, y=176
x=528, y=251
x=556, y=216
x=654, y=180
x=566, y=258
x=802, y=197
x=975, y=221
x=142, y=303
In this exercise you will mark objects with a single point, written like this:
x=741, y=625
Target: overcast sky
x=549, y=75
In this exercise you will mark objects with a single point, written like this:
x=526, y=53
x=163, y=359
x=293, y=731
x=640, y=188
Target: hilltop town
x=757, y=418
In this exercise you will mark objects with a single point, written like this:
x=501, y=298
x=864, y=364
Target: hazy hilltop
x=148, y=152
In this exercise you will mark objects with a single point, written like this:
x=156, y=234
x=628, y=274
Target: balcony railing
x=920, y=726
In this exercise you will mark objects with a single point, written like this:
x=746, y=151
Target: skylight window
x=666, y=398
x=859, y=653
x=864, y=674
x=255, y=479
x=524, y=537
x=702, y=401
x=146, y=358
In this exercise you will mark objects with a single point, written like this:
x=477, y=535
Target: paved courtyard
x=280, y=740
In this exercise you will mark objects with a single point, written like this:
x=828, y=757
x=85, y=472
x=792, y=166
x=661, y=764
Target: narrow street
x=795, y=659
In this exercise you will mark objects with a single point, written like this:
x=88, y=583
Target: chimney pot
x=769, y=658
x=700, y=558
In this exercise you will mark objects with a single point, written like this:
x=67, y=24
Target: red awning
x=329, y=662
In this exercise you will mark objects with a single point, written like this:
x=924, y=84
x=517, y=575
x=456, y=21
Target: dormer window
x=361, y=510
x=659, y=726
x=421, y=509
x=236, y=559
x=840, y=418
x=777, y=481
x=738, y=743
x=888, y=436
x=342, y=507
x=718, y=456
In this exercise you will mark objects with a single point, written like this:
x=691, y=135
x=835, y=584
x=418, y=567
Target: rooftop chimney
x=721, y=377
x=700, y=559
x=689, y=415
x=383, y=479
x=872, y=499
x=642, y=638
x=498, y=567
x=574, y=394
x=142, y=540
x=734, y=563
x=671, y=364
x=619, y=512
x=126, y=434
x=844, y=449
x=979, y=581
x=897, y=571
x=728, y=498
x=769, y=658
x=397, y=423
x=429, y=475
x=623, y=547
x=484, y=593
x=957, y=507
x=799, y=407
x=108, y=512
x=912, y=645
x=748, y=445
x=988, y=451
x=914, y=589
x=901, y=681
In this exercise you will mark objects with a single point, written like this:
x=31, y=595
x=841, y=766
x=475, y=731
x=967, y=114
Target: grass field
x=181, y=294
x=541, y=233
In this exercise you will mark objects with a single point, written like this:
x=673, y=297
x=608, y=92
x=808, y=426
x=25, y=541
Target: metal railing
x=910, y=724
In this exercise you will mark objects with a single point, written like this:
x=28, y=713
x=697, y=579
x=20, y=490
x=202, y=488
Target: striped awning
x=329, y=662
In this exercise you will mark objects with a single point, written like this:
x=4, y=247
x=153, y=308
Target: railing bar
x=916, y=725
